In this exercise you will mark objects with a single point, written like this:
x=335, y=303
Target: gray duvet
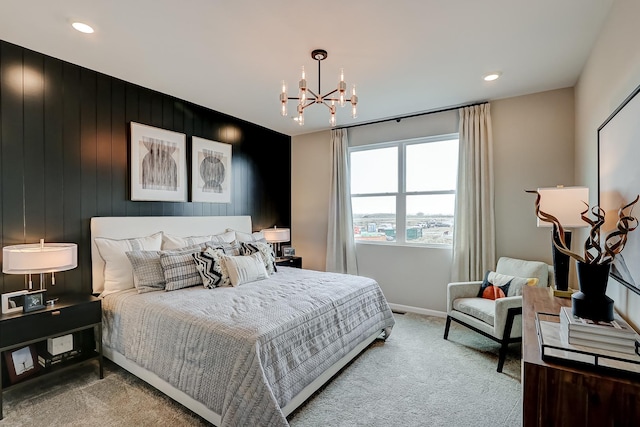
x=244, y=352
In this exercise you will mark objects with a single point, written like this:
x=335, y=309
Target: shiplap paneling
x=64, y=147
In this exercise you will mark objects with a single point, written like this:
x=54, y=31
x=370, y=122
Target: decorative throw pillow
x=118, y=272
x=265, y=249
x=496, y=285
x=211, y=268
x=180, y=270
x=229, y=248
x=147, y=270
x=245, y=269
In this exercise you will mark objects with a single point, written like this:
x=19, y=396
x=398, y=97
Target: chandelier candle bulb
x=342, y=87
x=283, y=99
x=303, y=88
x=354, y=102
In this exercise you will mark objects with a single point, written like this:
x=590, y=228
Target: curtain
x=474, y=244
x=341, y=247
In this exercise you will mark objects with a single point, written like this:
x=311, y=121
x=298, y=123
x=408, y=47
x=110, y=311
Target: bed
x=244, y=355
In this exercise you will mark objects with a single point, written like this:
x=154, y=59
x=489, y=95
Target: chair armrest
x=502, y=309
x=457, y=290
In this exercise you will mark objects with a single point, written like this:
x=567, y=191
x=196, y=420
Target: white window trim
x=400, y=195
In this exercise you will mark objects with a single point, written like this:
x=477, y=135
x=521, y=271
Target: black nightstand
x=294, y=261
x=26, y=334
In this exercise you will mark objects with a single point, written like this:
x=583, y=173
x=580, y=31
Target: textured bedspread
x=245, y=352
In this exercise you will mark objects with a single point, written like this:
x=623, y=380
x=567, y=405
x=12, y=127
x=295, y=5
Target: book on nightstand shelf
x=616, y=335
x=47, y=360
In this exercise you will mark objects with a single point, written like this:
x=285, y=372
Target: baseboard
x=416, y=310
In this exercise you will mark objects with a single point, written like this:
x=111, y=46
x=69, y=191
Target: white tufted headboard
x=123, y=227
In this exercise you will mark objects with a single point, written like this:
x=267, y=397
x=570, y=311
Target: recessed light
x=83, y=28
x=492, y=76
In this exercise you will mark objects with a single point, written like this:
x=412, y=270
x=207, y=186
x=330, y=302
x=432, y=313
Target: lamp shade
x=276, y=235
x=565, y=203
x=39, y=258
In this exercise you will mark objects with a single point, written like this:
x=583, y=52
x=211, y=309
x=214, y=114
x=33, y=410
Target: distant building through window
x=403, y=192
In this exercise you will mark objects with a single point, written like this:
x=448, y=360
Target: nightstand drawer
x=54, y=320
x=295, y=262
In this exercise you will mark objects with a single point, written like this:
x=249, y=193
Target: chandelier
x=307, y=97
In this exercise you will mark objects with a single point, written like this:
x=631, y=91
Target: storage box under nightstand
x=60, y=344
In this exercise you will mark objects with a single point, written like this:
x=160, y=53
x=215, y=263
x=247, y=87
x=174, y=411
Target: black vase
x=591, y=302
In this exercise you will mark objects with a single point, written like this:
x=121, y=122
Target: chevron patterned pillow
x=211, y=268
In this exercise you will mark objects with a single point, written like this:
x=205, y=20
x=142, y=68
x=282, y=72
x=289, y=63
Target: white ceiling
x=405, y=56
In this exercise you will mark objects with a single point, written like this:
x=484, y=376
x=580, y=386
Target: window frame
x=401, y=195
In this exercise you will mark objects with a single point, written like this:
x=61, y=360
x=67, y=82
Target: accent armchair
x=499, y=319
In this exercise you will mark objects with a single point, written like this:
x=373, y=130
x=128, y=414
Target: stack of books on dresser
x=616, y=335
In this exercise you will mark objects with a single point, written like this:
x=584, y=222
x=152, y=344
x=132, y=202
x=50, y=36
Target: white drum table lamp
x=39, y=258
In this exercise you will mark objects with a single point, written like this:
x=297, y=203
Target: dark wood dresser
x=555, y=394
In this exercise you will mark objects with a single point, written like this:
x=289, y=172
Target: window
x=404, y=191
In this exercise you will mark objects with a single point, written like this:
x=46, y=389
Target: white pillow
x=245, y=269
x=118, y=272
x=248, y=237
x=170, y=241
x=226, y=237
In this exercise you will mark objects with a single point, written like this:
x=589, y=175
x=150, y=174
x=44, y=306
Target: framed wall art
x=158, y=164
x=210, y=171
x=619, y=182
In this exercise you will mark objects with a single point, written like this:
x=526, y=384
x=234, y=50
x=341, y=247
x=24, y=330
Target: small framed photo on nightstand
x=288, y=252
x=34, y=301
x=13, y=301
x=21, y=363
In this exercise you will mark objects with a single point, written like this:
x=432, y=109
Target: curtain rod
x=424, y=113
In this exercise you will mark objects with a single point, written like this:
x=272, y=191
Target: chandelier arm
x=310, y=103
x=331, y=93
x=311, y=92
x=328, y=106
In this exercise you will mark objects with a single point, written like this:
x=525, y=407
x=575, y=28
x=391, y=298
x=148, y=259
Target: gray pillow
x=148, y=274
x=180, y=270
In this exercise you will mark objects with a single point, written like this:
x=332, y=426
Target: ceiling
x=405, y=56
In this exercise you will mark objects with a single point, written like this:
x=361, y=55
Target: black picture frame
x=288, y=252
x=21, y=363
x=34, y=301
x=619, y=182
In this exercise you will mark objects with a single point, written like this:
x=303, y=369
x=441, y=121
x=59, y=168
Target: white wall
x=611, y=73
x=533, y=146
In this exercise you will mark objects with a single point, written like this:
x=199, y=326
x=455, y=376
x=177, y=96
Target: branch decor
x=595, y=250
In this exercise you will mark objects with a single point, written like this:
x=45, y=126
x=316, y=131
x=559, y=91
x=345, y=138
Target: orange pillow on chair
x=496, y=285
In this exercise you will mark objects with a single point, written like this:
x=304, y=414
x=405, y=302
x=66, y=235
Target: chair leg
x=502, y=355
x=446, y=327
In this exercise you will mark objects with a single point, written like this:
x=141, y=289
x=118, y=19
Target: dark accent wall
x=64, y=150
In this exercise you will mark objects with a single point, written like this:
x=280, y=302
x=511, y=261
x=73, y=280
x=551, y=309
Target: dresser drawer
x=49, y=322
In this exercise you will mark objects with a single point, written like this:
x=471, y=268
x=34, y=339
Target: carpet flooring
x=415, y=378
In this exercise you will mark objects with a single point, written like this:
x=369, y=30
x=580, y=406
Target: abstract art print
x=158, y=164
x=619, y=182
x=210, y=171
